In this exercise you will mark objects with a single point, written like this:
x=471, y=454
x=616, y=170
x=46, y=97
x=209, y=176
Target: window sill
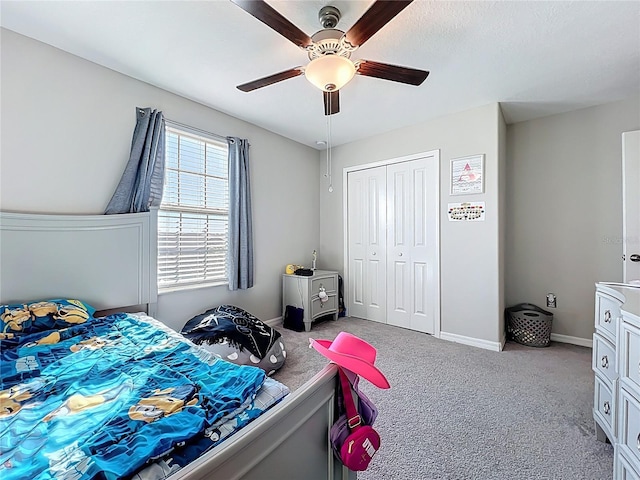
x=197, y=286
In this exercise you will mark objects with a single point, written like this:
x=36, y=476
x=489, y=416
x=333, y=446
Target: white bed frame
x=109, y=261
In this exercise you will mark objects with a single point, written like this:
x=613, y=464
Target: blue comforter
x=101, y=399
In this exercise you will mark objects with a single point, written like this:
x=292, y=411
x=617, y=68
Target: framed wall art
x=467, y=175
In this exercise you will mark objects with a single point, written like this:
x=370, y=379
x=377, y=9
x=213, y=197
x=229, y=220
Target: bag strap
x=353, y=417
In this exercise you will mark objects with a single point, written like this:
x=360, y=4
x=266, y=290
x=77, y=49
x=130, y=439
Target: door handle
x=634, y=257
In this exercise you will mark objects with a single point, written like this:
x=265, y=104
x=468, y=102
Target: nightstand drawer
x=629, y=431
x=329, y=283
x=604, y=357
x=319, y=308
x=607, y=314
x=604, y=406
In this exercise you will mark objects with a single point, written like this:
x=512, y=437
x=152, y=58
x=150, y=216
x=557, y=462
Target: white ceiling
x=535, y=57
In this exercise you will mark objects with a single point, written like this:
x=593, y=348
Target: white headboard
x=109, y=261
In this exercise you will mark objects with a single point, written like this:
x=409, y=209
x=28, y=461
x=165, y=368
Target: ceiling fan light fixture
x=330, y=72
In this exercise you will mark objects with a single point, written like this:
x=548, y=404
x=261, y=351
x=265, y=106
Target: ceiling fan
x=330, y=49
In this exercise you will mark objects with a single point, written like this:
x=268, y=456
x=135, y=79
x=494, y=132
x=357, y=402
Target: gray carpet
x=459, y=412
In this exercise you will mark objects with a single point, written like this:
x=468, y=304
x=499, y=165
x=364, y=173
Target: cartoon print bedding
x=109, y=397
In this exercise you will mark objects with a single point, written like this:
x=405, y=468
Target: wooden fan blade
x=331, y=102
x=376, y=17
x=394, y=73
x=276, y=77
x=270, y=17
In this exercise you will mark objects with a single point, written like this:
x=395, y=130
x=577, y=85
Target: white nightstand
x=302, y=292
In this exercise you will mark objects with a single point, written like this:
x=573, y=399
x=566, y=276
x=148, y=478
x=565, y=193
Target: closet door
x=366, y=221
x=412, y=242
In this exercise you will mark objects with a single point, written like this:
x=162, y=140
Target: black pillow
x=232, y=324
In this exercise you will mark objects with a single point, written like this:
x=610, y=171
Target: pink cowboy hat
x=354, y=354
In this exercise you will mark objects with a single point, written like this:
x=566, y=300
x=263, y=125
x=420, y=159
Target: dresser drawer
x=629, y=356
x=623, y=469
x=319, y=309
x=604, y=357
x=604, y=406
x=329, y=283
x=607, y=314
x=629, y=431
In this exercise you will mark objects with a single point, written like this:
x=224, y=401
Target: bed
x=109, y=263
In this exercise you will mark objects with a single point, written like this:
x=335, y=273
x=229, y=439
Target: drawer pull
x=638, y=445
x=607, y=407
x=607, y=316
x=605, y=361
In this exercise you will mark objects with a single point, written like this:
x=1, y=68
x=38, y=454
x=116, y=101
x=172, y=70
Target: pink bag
x=359, y=447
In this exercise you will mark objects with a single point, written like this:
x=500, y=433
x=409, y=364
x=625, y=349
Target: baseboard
x=582, y=342
x=474, y=342
x=274, y=322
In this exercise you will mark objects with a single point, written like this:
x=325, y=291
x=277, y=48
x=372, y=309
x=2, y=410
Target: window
x=194, y=213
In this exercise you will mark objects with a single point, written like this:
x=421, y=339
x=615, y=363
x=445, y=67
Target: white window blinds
x=193, y=215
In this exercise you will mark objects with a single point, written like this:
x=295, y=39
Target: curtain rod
x=173, y=123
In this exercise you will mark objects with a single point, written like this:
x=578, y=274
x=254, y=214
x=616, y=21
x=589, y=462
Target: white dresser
x=305, y=293
x=616, y=363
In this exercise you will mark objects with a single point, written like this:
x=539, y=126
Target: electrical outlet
x=551, y=300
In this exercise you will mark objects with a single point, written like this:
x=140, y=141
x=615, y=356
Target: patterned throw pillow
x=237, y=336
x=44, y=315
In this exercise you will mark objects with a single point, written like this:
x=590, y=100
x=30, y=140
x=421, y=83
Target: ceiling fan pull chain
x=330, y=144
x=326, y=123
x=329, y=147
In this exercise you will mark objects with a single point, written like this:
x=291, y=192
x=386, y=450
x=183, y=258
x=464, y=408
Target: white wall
x=470, y=255
x=66, y=133
x=564, y=209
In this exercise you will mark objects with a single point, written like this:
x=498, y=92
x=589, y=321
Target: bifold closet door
x=366, y=220
x=412, y=255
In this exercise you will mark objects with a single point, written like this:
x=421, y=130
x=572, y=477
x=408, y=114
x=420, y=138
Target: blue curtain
x=141, y=184
x=240, y=258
